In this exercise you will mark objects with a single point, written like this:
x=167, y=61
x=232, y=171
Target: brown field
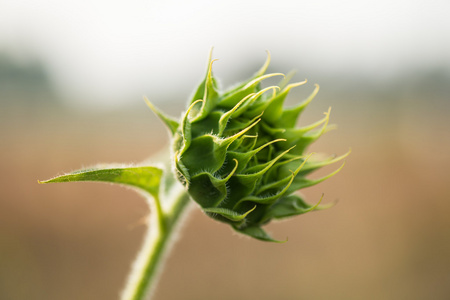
x=387, y=238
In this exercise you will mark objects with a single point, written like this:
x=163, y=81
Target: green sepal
x=285, y=181
x=257, y=233
x=310, y=136
x=209, y=125
x=228, y=213
x=290, y=206
x=229, y=114
x=212, y=151
x=244, y=157
x=264, y=67
x=315, y=165
x=273, y=174
x=171, y=124
x=208, y=190
x=186, y=128
x=205, y=192
x=268, y=200
x=300, y=137
x=147, y=179
x=244, y=184
x=210, y=95
x=200, y=91
x=182, y=172
x=231, y=99
x=301, y=182
x=290, y=116
x=237, y=124
x=260, y=169
x=246, y=143
x=294, y=134
x=285, y=81
x=254, y=98
x=271, y=192
x=209, y=149
x=259, y=73
x=274, y=108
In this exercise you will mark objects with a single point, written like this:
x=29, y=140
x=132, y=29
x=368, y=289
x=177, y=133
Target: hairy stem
x=159, y=237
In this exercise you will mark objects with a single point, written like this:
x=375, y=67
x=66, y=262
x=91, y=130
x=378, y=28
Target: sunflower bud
x=241, y=156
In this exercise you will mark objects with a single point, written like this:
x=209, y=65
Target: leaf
x=145, y=178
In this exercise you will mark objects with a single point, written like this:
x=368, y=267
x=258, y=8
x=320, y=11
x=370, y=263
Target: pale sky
x=115, y=51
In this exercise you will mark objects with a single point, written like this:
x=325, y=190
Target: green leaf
x=144, y=178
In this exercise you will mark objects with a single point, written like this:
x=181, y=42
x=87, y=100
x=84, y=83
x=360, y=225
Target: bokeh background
x=72, y=76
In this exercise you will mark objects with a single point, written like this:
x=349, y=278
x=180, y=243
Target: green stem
x=144, y=274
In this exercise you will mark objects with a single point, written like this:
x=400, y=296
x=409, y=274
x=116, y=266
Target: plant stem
x=163, y=223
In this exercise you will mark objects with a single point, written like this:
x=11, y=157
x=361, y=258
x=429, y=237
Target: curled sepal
x=147, y=179
x=208, y=190
x=314, y=164
x=257, y=233
x=186, y=130
x=290, y=116
x=285, y=81
x=228, y=213
x=181, y=171
x=231, y=99
x=200, y=91
x=171, y=124
x=264, y=67
x=226, y=116
x=276, y=190
x=286, y=181
x=244, y=157
x=301, y=182
x=208, y=152
x=274, y=107
x=311, y=136
x=292, y=205
x=210, y=95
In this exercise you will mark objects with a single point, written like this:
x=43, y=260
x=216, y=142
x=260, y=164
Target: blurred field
x=387, y=238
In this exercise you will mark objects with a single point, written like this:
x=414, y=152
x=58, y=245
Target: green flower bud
x=240, y=154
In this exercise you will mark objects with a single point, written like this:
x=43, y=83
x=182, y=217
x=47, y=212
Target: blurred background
x=72, y=77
